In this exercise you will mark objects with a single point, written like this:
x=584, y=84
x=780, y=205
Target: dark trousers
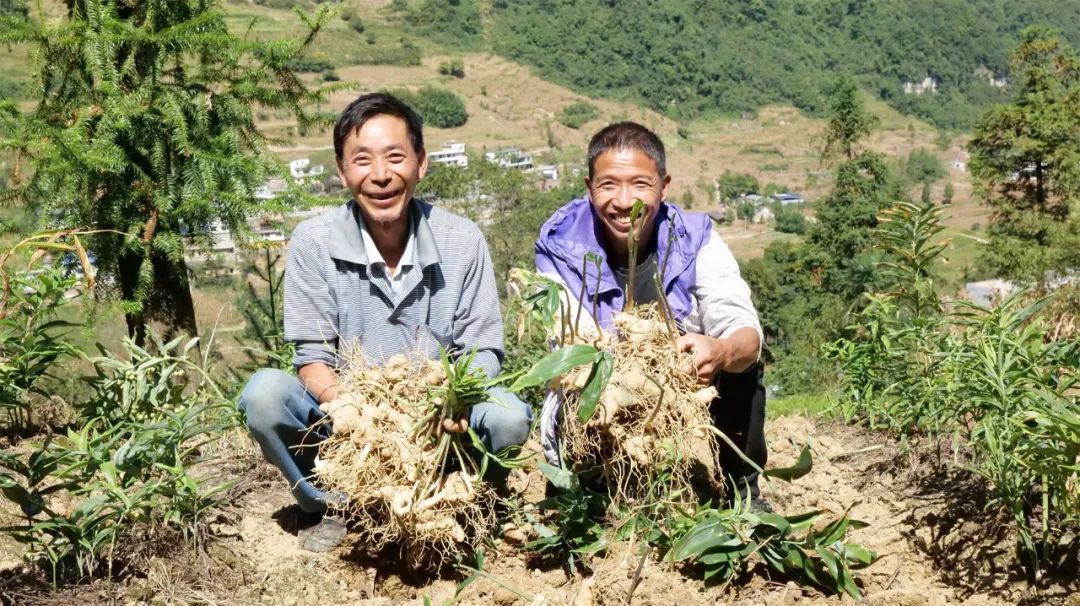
x=739, y=412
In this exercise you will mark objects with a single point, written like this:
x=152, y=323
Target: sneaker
x=325, y=536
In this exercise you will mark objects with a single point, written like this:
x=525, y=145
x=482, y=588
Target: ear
x=422, y=169
x=665, y=184
x=341, y=174
x=588, y=186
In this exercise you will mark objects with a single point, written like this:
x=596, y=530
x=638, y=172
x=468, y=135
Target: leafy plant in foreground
x=989, y=378
x=79, y=493
x=574, y=529
x=724, y=542
x=31, y=342
x=565, y=359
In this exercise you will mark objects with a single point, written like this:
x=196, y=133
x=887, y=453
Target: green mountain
x=691, y=58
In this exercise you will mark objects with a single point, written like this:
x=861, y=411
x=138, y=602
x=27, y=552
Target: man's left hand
x=710, y=354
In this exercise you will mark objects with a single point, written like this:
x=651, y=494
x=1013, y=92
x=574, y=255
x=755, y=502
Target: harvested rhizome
x=405, y=482
x=649, y=435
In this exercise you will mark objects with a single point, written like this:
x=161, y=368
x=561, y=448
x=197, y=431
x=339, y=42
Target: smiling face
x=621, y=176
x=380, y=167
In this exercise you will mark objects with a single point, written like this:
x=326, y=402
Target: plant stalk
x=581, y=296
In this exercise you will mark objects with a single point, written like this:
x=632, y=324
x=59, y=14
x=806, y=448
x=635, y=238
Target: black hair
x=366, y=107
x=627, y=135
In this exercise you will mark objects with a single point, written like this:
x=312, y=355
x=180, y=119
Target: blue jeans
x=282, y=416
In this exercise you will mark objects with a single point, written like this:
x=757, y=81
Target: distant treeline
x=692, y=58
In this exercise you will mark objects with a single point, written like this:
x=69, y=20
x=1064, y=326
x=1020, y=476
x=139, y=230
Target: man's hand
x=710, y=354
x=459, y=426
x=320, y=380
x=734, y=353
x=344, y=412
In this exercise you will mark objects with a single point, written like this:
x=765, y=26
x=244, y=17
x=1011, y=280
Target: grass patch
x=958, y=263
x=338, y=43
x=16, y=72
x=807, y=405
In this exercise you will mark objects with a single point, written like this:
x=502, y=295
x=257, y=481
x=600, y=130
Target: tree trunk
x=169, y=301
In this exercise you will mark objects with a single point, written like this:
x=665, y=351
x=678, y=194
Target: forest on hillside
x=693, y=58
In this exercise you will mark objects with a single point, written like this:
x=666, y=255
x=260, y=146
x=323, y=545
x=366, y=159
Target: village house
x=511, y=157
x=451, y=154
x=302, y=170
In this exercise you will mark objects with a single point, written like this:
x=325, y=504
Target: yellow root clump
x=645, y=436
x=380, y=456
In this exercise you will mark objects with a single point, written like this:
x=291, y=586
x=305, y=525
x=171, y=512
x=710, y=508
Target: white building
x=928, y=85
x=755, y=199
x=223, y=243
x=550, y=172
x=452, y=154
x=960, y=162
x=789, y=198
x=270, y=189
x=763, y=215
x=988, y=292
x=302, y=170
x=511, y=157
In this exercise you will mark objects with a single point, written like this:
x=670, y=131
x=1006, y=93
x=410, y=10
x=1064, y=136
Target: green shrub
x=732, y=185
x=764, y=150
x=452, y=24
x=454, y=67
x=790, y=222
x=437, y=107
x=407, y=54
x=281, y=4
x=349, y=16
x=923, y=166
x=31, y=340
x=577, y=114
x=310, y=65
x=990, y=378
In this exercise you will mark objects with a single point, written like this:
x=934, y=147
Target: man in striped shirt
x=388, y=274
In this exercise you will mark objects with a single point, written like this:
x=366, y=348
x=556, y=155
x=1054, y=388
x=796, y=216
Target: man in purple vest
x=700, y=280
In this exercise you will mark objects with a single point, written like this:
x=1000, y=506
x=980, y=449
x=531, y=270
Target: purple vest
x=572, y=232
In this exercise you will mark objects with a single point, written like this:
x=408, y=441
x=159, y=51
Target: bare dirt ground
x=937, y=546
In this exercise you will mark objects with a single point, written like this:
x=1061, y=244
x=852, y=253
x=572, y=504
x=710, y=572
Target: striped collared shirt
x=448, y=298
x=377, y=263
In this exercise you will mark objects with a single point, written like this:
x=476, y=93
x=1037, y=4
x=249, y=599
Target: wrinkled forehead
x=379, y=134
x=625, y=162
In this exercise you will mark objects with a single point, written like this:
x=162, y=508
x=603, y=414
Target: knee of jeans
x=263, y=400
x=511, y=426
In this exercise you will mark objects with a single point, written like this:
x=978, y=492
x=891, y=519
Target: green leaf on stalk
x=598, y=380
x=563, y=479
x=591, y=548
x=834, y=532
x=699, y=539
x=859, y=555
x=556, y=363
x=796, y=471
